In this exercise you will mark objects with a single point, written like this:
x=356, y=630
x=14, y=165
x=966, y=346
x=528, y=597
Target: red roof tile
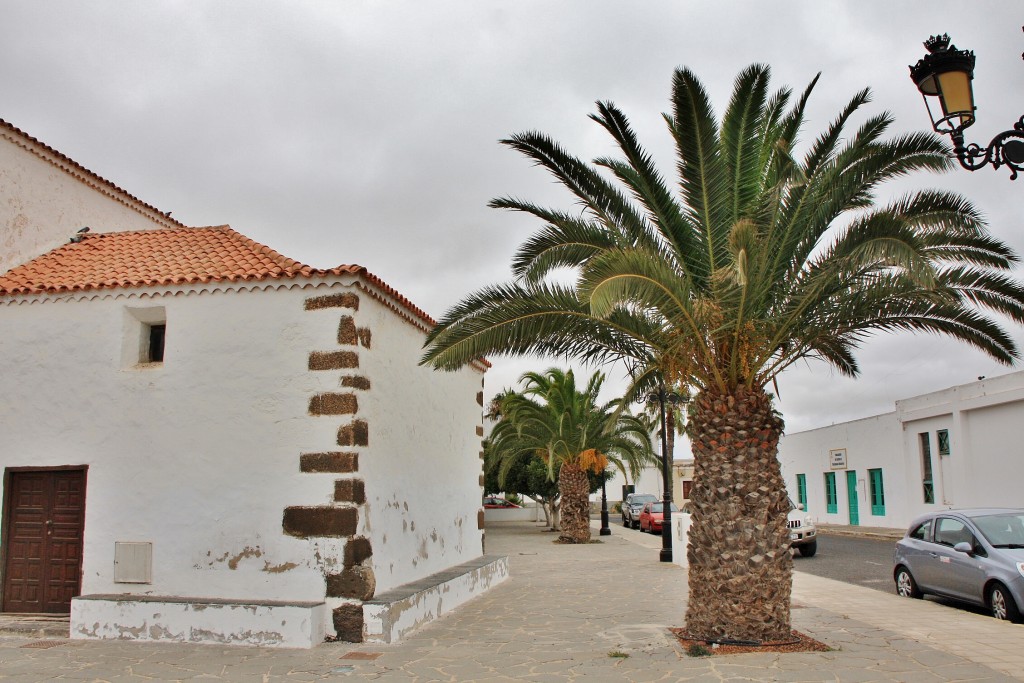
x=177, y=256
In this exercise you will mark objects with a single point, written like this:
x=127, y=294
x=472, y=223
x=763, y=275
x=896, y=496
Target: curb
x=877, y=535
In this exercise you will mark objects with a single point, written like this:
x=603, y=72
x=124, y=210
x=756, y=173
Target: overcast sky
x=366, y=132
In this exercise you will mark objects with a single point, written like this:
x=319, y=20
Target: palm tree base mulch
x=702, y=648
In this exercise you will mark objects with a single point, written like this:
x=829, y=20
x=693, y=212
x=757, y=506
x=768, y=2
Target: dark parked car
x=651, y=516
x=632, y=506
x=972, y=555
x=490, y=502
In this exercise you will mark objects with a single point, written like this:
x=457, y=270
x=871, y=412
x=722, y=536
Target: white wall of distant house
x=870, y=443
x=42, y=205
x=650, y=479
x=199, y=455
x=422, y=468
x=982, y=467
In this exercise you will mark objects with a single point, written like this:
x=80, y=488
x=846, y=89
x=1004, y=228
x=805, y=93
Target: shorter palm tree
x=573, y=434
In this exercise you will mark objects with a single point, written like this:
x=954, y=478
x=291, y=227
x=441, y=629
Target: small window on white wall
x=155, y=348
x=145, y=337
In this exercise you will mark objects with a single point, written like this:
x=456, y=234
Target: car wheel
x=1001, y=603
x=636, y=524
x=808, y=549
x=905, y=584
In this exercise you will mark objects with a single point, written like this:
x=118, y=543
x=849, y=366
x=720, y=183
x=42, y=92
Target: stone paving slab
x=562, y=614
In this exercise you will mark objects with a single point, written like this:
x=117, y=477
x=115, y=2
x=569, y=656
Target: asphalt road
x=862, y=561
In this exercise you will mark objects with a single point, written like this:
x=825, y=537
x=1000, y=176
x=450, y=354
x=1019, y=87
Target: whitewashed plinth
x=680, y=537
x=390, y=616
x=198, y=620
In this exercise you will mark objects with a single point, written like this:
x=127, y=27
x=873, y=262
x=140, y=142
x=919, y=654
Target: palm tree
x=573, y=434
x=675, y=422
x=758, y=258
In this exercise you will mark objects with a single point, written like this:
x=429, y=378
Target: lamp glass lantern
x=945, y=78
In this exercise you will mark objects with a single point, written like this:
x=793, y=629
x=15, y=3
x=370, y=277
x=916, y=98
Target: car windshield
x=657, y=507
x=640, y=500
x=1002, y=530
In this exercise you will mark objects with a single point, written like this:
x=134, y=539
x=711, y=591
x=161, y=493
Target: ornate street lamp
x=661, y=397
x=944, y=78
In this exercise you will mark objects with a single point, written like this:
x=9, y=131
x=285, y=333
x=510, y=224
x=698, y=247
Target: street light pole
x=662, y=396
x=605, y=530
x=666, y=477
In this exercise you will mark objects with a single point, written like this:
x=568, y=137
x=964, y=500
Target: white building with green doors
x=954, y=448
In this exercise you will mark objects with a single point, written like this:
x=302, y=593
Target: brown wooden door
x=45, y=521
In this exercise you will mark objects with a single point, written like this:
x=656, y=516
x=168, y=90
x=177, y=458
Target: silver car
x=632, y=506
x=972, y=555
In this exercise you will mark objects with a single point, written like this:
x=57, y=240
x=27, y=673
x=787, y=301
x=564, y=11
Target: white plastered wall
x=200, y=454
x=44, y=201
x=422, y=466
x=983, y=468
x=870, y=443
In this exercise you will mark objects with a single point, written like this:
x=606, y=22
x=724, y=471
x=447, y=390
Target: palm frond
x=639, y=174
x=595, y=193
x=742, y=126
x=702, y=173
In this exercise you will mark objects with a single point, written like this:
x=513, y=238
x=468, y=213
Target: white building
x=45, y=198
x=206, y=441
x=650, y=479
x=954, y=448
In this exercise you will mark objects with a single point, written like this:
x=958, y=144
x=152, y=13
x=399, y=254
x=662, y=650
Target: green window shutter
x=927, y=485
x=877, y=492
x=831, y=501
x=801, y=490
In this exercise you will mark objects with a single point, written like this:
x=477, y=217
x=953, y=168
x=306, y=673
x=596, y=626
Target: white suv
x=802, y=533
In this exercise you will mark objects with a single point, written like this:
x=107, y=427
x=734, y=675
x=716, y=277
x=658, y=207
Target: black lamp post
x=605, y=530
x=661, y=396
x=944, y=78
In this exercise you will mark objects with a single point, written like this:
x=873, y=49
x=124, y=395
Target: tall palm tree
x=758, y=258
x=573, y=434
x=675, y=421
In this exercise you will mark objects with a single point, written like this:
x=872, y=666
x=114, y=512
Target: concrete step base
x=35, y=625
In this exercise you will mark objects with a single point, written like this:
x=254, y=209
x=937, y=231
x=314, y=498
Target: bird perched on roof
x=77, y=237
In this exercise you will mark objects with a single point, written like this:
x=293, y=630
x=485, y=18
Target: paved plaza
x=599, y=612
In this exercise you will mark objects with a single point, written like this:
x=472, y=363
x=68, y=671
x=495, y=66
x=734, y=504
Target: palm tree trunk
x=741, y=580
x=574, y=487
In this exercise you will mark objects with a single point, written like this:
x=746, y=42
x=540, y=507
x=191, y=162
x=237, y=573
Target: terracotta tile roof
x=71, y=166
x=177, y=256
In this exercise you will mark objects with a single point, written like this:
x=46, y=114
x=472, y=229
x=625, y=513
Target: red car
x=490, y=502
x=651, y=517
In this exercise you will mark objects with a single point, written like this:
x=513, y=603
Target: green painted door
x=851, y=496
x=831, y=499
